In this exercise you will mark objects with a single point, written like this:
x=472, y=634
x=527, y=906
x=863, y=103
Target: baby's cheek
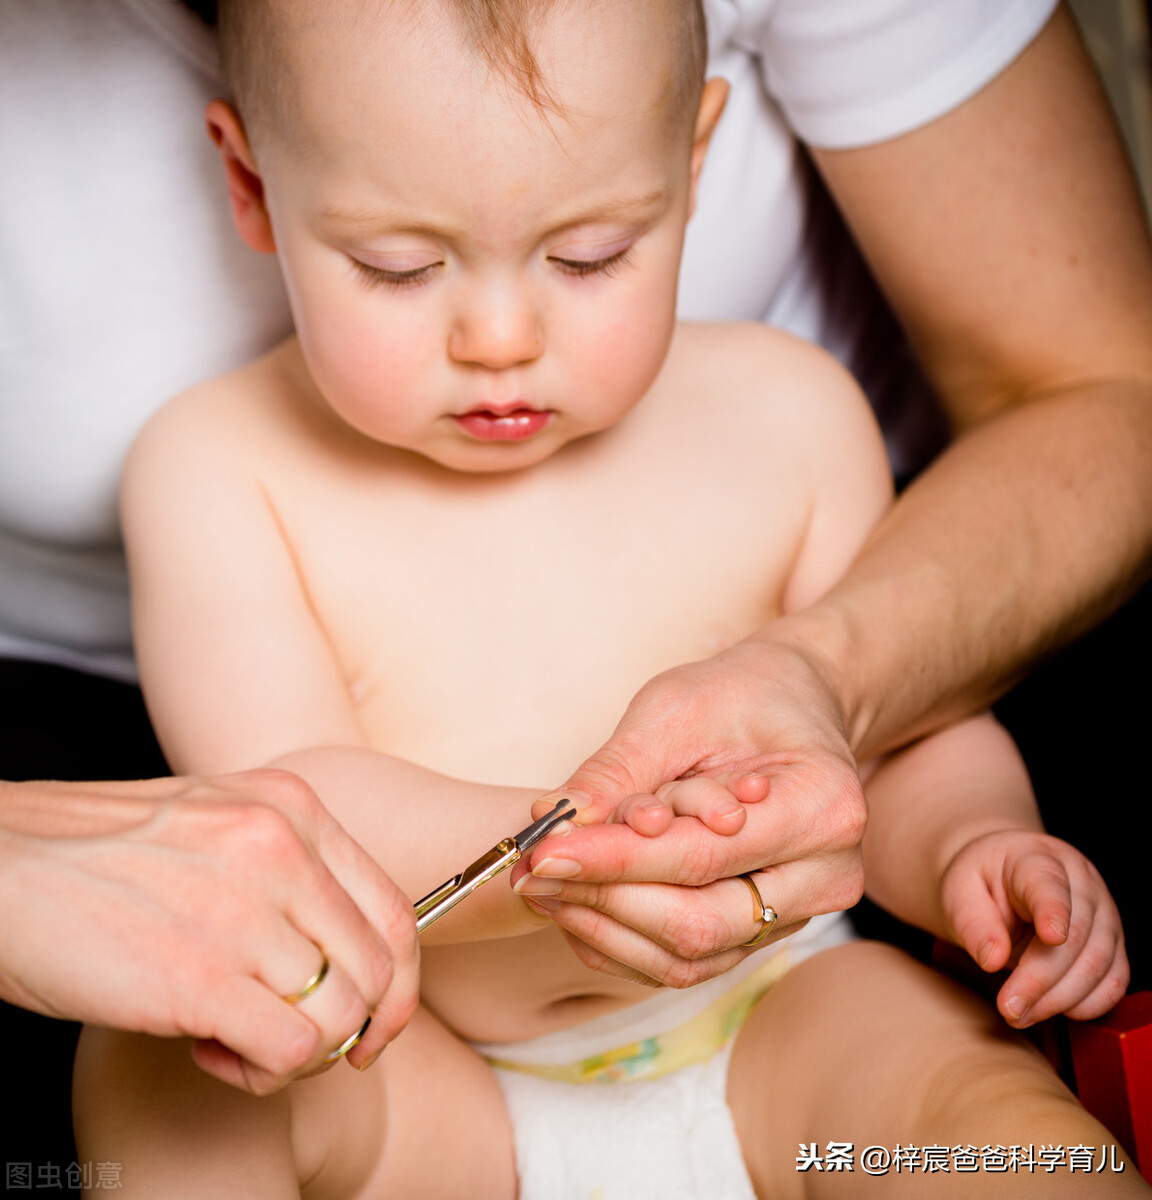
x=370, y=378
x=629, y=356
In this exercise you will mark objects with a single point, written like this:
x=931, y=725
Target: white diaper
x=632, y=1105
x=661, y=1139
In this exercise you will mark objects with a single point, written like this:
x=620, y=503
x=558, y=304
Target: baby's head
x=478, y=205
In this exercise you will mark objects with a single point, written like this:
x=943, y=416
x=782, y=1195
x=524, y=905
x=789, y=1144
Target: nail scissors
x=487, y=866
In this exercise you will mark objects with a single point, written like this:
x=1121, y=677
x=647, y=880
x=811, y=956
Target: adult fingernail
x=371, y=1059
x=557, y=868
x=529, y=885
x=1015, y=1007
x=984, y=954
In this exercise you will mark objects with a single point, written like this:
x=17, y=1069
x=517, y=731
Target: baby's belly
x=508, y=989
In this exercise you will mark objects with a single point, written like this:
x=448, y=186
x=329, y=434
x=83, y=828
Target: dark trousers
x=57, y=724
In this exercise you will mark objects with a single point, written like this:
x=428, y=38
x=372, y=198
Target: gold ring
x=763, y=912
x=313, y=983
x=343, y=1049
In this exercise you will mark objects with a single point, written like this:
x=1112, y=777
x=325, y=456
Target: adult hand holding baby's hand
x=668, y=908
x=185, y=907
x=1028, y=900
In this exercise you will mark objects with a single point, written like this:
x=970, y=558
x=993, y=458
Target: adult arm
x=1009, y=236
x=189, y=907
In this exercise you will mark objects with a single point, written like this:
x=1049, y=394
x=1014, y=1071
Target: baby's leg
x=427, y=1120
x=862, y=1045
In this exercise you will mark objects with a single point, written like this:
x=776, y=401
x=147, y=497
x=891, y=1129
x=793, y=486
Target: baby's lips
x=546, y=804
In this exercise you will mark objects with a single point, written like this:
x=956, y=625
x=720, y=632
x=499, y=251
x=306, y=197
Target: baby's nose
x=498, y=329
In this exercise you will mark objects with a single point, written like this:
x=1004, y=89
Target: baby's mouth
x=503, y=422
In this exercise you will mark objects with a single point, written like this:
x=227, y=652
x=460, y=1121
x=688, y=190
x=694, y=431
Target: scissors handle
x=433, y=906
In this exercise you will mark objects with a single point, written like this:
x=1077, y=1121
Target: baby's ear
x=712, y=101
x=245, y=187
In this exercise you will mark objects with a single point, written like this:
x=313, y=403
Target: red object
x=1112, y=1059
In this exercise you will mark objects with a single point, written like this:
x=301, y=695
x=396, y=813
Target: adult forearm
x=1027, y=531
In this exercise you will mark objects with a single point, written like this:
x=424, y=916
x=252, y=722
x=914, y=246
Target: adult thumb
x=636, y=758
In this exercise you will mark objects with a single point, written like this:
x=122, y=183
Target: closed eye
x=396, y=280
x=599, y=266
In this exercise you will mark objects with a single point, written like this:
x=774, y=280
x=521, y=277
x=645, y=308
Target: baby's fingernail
x=577, y=800
x=1015, y=1007
x=545, y=906
x=655, y=804
x=557, y=868
x=529, y=885
x=728, y=809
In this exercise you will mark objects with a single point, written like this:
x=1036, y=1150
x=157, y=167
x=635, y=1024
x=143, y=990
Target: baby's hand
x=1033, y=902
x=717, y=801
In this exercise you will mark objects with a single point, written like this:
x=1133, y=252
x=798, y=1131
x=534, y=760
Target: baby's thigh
x=863, y=1045
x=427, y=1120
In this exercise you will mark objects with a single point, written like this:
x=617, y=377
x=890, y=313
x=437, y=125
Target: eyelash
x=400, y=281
x=397, y=281
x=602, y=266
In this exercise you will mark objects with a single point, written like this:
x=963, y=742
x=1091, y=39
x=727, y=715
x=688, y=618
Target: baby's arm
x=424, y=827
x=969, y=861
x=239, y=672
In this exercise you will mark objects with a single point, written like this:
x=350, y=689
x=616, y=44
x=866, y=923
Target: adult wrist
x=888, y=644
x=822, y=640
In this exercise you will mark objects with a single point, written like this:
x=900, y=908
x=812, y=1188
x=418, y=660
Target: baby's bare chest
x=496, y=629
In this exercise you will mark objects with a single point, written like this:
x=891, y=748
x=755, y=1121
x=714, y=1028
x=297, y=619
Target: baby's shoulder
x=777, y=375
x=773, y=388
x=234, y=421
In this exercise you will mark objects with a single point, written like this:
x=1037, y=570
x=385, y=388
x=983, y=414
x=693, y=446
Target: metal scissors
x=488, y=866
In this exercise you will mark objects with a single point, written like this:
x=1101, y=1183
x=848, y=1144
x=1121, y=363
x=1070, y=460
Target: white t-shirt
x=122, y=281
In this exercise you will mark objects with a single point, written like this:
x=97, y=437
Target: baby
x=425, y=551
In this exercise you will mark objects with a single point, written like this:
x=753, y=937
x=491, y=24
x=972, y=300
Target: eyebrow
x=369, y=219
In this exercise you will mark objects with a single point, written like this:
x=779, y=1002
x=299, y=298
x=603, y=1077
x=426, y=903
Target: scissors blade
x=564, y=810
x=433, y=906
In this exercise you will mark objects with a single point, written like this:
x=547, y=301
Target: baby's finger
x=646, y=813
x=709, y=800
x=1106, y=994
x=977, y=921
x=1039, y=890
x=1059, y=979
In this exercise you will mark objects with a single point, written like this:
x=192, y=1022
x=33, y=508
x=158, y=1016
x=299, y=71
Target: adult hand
x=762, y=706
x=189, y=907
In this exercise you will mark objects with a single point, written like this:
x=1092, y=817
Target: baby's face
x=471, y=278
